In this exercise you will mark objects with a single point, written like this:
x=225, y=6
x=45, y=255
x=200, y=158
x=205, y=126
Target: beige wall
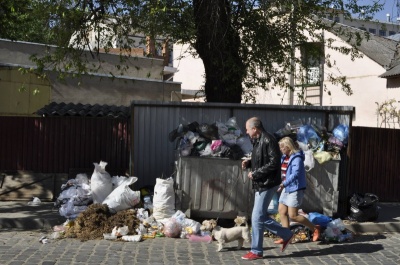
x=368, y=88
x=104, y=90
x=17, y=95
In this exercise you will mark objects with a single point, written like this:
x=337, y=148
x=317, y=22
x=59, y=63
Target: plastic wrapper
x=172, y=228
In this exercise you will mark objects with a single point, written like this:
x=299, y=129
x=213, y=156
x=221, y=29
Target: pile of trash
x=227, y=140
x=332, y=230
x=77, y=194
x=217, y=140
x=97, y=220
x=107, y=207
x=316, y=142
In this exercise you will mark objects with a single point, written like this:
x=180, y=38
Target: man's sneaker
x=251, y=256
x=317, y=233
x=286, y=243
x=279, y=241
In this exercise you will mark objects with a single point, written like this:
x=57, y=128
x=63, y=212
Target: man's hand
x=245, y=163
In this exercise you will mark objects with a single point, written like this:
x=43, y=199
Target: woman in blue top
x=293, y=186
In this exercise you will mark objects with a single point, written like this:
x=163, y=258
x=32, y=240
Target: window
x=373, y=31
x=362, y=28
x=392, y=33
x=382, y=33
x=311, y=58
x=337, y=19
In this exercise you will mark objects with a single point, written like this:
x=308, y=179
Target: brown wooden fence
x=69, y=144
x=64, y=144
x=374, y=158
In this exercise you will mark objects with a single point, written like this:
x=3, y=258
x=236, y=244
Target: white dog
x=240, y=221
x=208, y=225
x=226, y=235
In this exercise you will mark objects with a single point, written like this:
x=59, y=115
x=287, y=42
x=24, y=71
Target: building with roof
x=24, y=94
x=372, y=78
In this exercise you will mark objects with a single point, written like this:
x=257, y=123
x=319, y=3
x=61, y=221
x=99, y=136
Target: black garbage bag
x=182, y=129
x=364, y=207
x=233, y=152
x=209, y=131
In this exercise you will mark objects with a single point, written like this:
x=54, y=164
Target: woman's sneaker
x=317, y=233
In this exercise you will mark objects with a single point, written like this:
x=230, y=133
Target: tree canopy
x=244, y=44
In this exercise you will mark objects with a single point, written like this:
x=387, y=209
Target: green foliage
x=24, y=20
x=244, y=44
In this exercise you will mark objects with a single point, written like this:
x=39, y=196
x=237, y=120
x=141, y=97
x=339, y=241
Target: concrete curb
x=386, y=227
x=20, y=216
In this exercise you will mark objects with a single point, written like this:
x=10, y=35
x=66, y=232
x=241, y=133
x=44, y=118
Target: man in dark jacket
x=265, y=175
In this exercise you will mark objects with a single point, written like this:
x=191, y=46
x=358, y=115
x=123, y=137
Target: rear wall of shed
x=154, y=155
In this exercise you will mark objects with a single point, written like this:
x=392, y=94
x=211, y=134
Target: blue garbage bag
x=319, y=219
x=307, y=135
x=341, y=132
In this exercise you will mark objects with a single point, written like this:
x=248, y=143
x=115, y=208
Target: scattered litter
x=59, y=228
x=196, y=238
x=120, y=231
x=57, y=234
x=134, y=238
x=109, y=236
x=35, y=202
x=44, y=240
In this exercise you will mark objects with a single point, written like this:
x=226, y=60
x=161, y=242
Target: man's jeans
x=260, y=221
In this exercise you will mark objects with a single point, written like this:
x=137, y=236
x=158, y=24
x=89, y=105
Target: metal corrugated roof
x=394, y=71
x=84, y=110
x=379, y=49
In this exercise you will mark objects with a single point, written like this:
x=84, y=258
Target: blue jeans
x=260, y=221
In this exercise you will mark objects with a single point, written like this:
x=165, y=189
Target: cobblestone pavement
x=24, y=247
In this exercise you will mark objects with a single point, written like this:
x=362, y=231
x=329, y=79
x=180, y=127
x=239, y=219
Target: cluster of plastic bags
x=163, y=220
x=217, y=139
x=333, y=230
x=316, y=142
x=78, y=193
x=75, y=196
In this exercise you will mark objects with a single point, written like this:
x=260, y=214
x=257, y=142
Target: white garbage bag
x=164, y=198
x=100, y=183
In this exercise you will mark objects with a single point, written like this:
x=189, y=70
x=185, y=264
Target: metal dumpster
x=322, y=193
x=209, y=187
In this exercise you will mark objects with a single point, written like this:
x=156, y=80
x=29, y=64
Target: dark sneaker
x=251, y=256
x=286, y=243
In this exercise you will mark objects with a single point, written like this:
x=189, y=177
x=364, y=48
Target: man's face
x=251, y=131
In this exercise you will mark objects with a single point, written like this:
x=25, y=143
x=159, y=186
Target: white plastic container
x=109, y=236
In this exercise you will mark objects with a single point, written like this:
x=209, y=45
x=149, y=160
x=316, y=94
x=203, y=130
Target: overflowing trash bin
x=210, y=184
x=213, y=187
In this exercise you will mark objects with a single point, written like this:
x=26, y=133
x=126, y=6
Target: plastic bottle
x=147, y=204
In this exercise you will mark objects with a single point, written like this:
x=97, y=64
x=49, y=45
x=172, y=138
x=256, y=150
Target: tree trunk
x=218, y=45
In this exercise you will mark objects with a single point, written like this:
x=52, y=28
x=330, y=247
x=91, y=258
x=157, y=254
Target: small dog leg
x=240, y=243
x=219, y=247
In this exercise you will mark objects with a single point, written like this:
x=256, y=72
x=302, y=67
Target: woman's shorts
x=293, y=199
